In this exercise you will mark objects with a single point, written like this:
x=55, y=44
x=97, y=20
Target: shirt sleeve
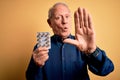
x=99, y=63
x=33, y=71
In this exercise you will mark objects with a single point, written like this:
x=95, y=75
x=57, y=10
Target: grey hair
x=50, y=12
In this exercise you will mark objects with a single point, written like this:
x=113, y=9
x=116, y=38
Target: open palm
x=84, y=32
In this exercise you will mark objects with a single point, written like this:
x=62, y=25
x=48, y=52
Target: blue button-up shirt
x=66, y=62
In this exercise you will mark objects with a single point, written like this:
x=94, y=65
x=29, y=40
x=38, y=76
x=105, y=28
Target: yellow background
x=21, y=19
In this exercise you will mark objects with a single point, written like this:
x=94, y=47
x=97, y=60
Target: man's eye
x=57, y=18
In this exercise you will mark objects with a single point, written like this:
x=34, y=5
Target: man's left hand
x=84, y=32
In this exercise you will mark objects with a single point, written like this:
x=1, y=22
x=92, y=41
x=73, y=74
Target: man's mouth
x=65, y=29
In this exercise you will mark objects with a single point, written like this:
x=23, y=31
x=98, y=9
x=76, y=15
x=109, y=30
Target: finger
x=74, y=42
x=71, y=41
x=85, y=18
x=81, y=20
x=42, y=58
x=76, y=20
x=42, y=53
x=40, y=49
x=90, y=21
x=41, y=61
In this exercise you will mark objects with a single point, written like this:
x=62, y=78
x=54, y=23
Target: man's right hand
x=40, y=56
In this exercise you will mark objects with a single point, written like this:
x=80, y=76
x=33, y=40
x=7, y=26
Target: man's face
x=61, y=21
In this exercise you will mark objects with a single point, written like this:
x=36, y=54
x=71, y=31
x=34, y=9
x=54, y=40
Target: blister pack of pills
x=43, y=39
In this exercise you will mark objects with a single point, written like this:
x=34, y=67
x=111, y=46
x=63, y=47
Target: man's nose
x=64, y=20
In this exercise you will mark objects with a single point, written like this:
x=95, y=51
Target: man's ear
x=49, y=22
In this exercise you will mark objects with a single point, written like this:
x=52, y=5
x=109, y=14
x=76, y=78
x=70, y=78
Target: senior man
x=69, y=55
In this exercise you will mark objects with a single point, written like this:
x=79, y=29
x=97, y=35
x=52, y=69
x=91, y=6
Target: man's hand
x=84, y=32
x=40, y=56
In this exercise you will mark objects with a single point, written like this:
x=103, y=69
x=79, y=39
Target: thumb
x=71, y=41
